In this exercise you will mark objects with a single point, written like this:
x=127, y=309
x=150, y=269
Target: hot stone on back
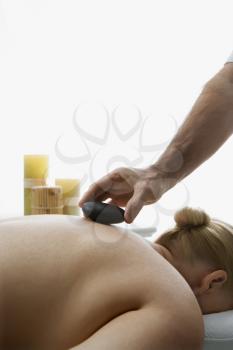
x=103, y=213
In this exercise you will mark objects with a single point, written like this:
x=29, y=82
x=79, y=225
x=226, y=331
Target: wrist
x=156, y=173
x=171, y=162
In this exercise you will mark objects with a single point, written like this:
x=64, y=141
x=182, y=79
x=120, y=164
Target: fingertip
x=128, y=218
x=85, y=198
x=82, y=201
x=132, y=211
x=128, y=221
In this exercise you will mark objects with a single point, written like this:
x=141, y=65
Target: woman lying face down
x=68, y=282
x=201, y=249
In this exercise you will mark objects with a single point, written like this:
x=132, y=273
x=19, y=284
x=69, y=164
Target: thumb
x=134, y=206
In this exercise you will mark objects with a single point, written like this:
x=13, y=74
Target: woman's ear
x=211, y=282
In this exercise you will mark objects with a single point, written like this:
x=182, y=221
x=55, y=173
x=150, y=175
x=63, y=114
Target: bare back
x=63, y=278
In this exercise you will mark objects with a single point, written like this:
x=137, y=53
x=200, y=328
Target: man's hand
x=129, y=187
x=207, y=127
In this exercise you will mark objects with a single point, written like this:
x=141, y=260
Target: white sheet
x=219, y=331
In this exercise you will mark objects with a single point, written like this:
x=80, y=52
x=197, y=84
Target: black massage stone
x=103, y=213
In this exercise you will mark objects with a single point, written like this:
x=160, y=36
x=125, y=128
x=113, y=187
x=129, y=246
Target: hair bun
x=190, y=217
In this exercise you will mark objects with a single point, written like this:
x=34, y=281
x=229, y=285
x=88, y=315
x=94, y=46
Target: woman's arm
x=148, y=329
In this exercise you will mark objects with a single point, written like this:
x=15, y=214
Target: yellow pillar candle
x=35, y=174
x=71, y=191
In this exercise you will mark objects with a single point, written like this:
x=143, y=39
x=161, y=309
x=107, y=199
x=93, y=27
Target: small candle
x=47, y=200
x=35, y=174
x=71, y=191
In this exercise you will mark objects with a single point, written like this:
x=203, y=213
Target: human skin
x=67, y=282
x=208, y=125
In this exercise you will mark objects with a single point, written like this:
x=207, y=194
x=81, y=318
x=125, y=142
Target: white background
x=156, y=55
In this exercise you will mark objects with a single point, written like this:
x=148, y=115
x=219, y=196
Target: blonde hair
x=201, y=237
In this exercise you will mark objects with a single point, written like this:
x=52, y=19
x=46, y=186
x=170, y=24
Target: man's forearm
x=207, y=127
